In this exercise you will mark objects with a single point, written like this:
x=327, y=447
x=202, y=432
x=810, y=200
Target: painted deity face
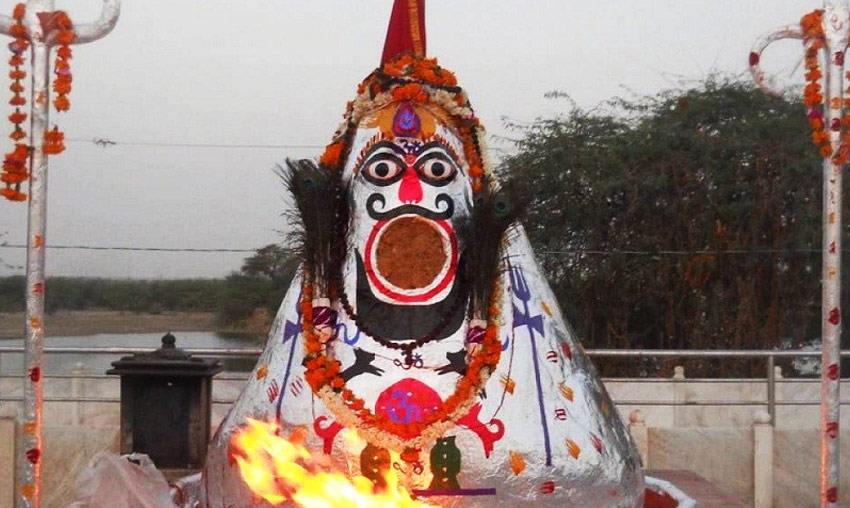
x=410, y=194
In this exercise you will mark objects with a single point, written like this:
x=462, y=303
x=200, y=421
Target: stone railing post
x=640, y=435
x=78, y=390
x=762, y=460
x=679, y=395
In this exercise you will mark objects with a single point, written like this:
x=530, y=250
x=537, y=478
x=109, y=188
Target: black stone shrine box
x=166, y=399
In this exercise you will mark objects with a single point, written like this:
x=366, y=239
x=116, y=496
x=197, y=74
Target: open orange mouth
x=411, y=259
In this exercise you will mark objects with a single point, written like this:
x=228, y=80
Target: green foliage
x=721, y=167
x=78, y=293
x=261, y=283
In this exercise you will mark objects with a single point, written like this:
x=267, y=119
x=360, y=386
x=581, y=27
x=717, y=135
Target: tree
x=261, y=283
x=690, y=219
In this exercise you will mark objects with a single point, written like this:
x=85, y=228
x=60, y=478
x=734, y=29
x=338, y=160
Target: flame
x=278, y=469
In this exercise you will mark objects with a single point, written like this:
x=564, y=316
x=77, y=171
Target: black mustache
x=446, y=212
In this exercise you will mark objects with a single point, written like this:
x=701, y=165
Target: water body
x=63, y=364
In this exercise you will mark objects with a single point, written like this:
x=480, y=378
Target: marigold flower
x=330, y=158
x=18, y=117
x=61, y=87
x=19, y=11
x=61, y=103
x=65, y=37
x=17, y=30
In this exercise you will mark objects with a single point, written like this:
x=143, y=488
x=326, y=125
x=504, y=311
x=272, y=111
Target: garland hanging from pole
x=15, y=170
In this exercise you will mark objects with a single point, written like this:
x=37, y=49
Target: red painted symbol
x=547, y=487
x=561, y=414
x=834, y=316
x=273, y=391
x=832, y=494
x=552, y=356
x=835, y=126
x=597, y=443
x=832, y=430
x=832, y=372
x=483, y=430
x=296, y=386
x=567, y=351
x=35, y=374
x=839, y=58
x=832, y=245
x=33, y=454
x=408, y=401
x=326, y=433
x=38, y=288
x=754, y=59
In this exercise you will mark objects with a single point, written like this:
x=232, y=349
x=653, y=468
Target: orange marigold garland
x=54, y=139
x=324, y=374
x=813, y=38
x=15, y=171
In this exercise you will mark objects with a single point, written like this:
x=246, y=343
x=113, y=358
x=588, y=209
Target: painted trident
x=828, y=30
x=39, y=22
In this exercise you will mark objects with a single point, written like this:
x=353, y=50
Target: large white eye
x=437, y=169
x=382, y=170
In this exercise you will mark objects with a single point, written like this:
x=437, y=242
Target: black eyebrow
x=384, y=144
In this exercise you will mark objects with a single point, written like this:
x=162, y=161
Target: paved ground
x=706, y=494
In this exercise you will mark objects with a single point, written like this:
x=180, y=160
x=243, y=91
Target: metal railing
x=770, y=402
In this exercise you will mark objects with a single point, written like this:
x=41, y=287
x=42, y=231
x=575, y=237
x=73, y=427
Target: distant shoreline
x=91, y=322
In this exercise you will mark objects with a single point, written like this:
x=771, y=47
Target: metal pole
x=836, y=18
x=36, y=20
x=36, y=234
x=835, y=25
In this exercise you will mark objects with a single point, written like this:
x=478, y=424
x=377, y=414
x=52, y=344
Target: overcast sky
x=263, y=72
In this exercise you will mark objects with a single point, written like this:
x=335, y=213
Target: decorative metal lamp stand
x=833, y=39
x=41, y=36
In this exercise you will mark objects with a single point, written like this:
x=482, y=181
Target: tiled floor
x=706, y=494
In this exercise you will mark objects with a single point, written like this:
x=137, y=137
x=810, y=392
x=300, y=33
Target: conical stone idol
x=420, y=335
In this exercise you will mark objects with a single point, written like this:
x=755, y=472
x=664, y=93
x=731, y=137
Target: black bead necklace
x=405, y=347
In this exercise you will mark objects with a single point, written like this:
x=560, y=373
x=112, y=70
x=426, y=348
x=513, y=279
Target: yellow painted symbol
x=606, y=409
x=831, y=271
x=566, y=391
x=517, y=462
x=38, y=241
x=29, y=429
x=41, y=98
x=509, y=384
x=28, y=490
x=573, y=448
x=546, y=308
x=831, y=217
x=262, y=372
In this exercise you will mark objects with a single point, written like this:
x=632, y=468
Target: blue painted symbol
x=411, y=412
x=344, y=329
x=523, y=317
